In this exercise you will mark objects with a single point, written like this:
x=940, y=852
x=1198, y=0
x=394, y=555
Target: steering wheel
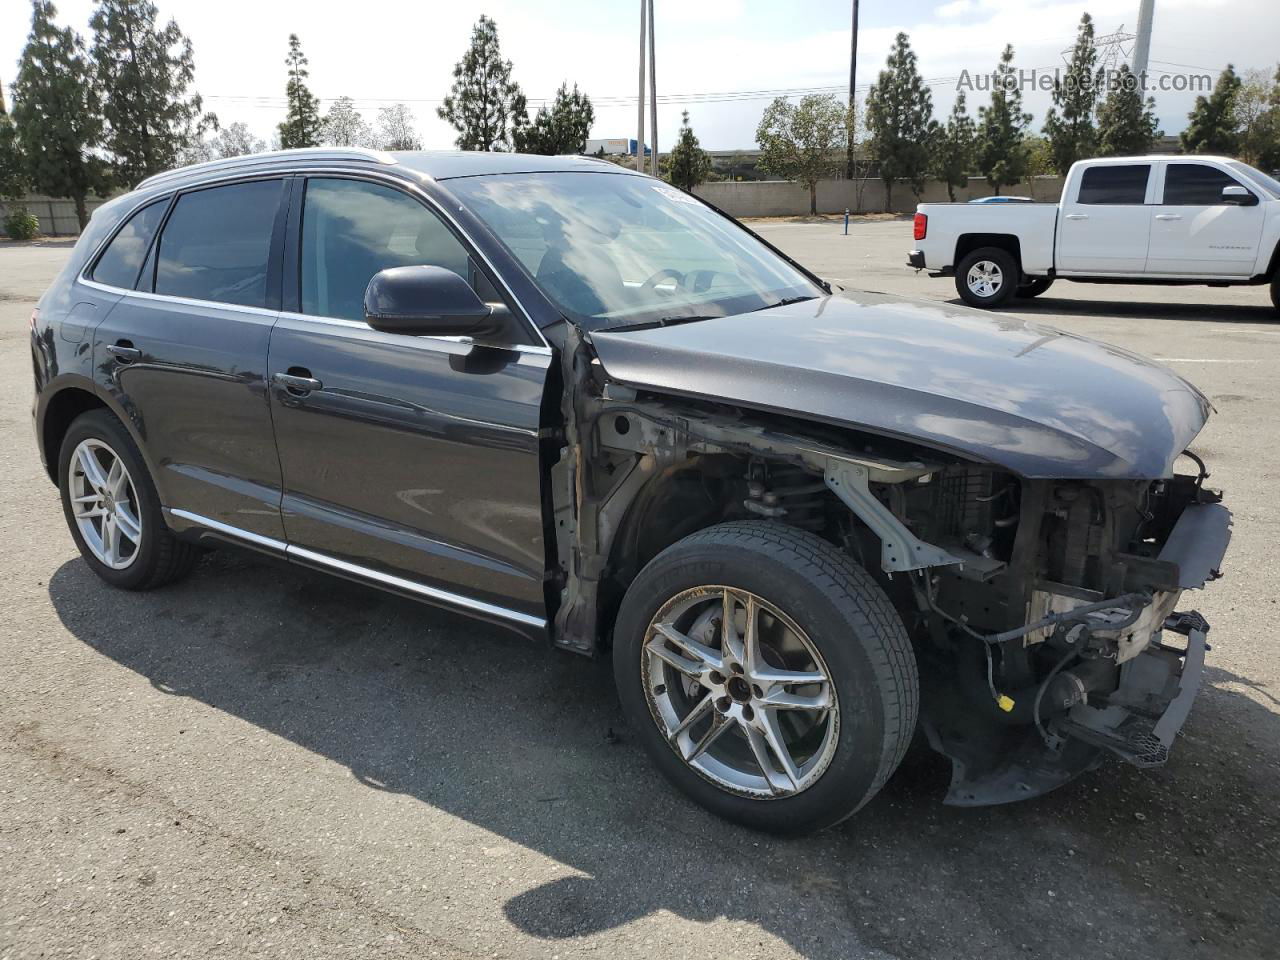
x=650, y=285
x=697, y=281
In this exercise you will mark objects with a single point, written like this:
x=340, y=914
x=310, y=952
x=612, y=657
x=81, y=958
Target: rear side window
x=120, y=262
x=1115, y=183
x=1195, y=185
x=352, y=229
x=217, y=244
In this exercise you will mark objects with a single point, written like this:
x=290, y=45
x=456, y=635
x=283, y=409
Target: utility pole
x=640, y=123
x=853, y=96
x=653, y=94
x=1142, y=48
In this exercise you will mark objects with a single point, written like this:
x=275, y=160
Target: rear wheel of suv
x=112, y=507
x=987, y=277
x=767, y=675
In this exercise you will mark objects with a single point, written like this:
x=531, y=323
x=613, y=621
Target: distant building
x=613, y=147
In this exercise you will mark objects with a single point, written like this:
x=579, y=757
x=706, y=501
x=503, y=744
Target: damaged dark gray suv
x=574, y=401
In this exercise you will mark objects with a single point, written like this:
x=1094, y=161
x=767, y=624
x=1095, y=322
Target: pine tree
x=1069, y=122
x=143, y=74
x=1126, y=121
x=1002, y=125
x=688, y=164
x=805, y=142
x=13, y=178
x=485, y=106
x=56, y=112
x=953, y=148
x=302, y=125
x=562, y=129
x=900, y=117
x=1212, y=122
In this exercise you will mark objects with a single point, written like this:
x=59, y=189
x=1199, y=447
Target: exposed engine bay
x=1042, y=612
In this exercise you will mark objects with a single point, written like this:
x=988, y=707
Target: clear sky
x=380, y=51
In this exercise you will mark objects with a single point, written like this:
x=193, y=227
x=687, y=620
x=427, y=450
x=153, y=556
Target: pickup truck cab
x=1166, y=220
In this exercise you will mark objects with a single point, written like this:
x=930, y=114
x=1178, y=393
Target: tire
x=1001, y=273
x=152, y=556
x=861, y=649
x=1034, y=287
x=1275, y=290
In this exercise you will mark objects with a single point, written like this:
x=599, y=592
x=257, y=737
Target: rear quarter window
x=120, y=262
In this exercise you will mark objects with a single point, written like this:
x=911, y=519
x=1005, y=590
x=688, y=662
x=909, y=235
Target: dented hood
x=989, y=387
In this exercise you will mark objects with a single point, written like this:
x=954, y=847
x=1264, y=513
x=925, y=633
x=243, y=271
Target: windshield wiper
x=660, y=322
x=786, y=302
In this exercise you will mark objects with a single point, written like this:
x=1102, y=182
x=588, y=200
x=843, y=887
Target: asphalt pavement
x=264, y=761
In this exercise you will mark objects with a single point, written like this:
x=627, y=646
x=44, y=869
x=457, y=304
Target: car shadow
x=529, y=744
x=1209, y=312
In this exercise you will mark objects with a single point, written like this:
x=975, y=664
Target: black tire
x=160, y=556
x=1034, y=287
x=1007, y=286
x=847, y=617
x=1275, y=290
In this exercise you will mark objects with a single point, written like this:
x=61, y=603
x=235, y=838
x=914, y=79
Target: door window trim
x=1191, y=162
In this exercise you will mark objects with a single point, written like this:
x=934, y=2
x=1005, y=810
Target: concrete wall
x=780, y=198
x=57, y=217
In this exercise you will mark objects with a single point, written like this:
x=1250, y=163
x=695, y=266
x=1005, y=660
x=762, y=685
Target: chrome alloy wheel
x=104, y=504
x=740, y=692
x=985, y=278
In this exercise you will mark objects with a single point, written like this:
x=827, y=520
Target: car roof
x=433, y=164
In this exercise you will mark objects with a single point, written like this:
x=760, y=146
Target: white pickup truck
x=1163, y=219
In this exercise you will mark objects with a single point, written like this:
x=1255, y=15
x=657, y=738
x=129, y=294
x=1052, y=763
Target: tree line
x=1092, y=115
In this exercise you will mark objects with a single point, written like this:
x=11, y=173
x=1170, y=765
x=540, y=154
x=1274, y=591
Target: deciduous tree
x=688, y=164
x=805, y=142
x=485, y=105
x=396, y=130
x=1002, y=126
x=561, y=129
x=302, y=124
x=343, y=126
x=1069, y=124
x=1258, y=119
x=900, y=117
x=56, y=112
x=1127, y=123
x=143, y=74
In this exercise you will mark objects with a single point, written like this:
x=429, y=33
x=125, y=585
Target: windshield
x=1268, y=184
x=616, y=250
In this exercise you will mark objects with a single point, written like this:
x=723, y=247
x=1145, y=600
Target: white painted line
x=1200, y=360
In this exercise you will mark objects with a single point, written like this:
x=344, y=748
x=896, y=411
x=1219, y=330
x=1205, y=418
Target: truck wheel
x=767, y=675
x=1034, y=287
x=987, y=277
x=1275, y=290
x=113, y=509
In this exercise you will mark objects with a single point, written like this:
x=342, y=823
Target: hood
x=990, y=387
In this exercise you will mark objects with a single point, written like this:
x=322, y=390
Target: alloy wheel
x=985, y=278
x=740, y=692
x=104, y=504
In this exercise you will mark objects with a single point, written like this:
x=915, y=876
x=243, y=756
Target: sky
x=722, y=60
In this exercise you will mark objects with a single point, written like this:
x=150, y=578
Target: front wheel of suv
x=112, y=507
x=767, y=674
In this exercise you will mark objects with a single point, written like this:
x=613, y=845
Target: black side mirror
x=430, y=301
x=1238, y=196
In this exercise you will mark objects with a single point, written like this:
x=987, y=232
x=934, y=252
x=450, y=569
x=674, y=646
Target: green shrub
x=21, y=224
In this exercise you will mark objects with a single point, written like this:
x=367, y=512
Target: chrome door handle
x=1077, y=216
x=124, y=351
x=1168, y=216
x=296, y=383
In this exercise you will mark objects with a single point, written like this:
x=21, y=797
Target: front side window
x=614, y=250
x=1195, y=185
x=217, y=244
x=120, y=262
x=1115, y=184
x=352, y=229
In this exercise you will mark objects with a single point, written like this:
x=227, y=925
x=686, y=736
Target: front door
x=185, y=354
x=404, y=458
x=1105, y=227
x=1194, y=232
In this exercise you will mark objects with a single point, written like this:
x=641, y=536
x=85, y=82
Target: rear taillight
x=921, y=225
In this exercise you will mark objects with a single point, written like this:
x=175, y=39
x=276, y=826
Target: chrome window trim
x=525, y=348
x=292, y=551
x=183, y=301
x=349, y=173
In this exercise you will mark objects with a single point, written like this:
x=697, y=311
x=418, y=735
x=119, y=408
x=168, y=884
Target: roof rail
x=358, y=154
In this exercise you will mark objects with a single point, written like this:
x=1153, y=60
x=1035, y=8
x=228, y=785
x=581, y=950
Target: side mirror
x=429, y=301
x=1238, y=196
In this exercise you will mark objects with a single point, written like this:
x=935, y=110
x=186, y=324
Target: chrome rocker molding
x=375, y=577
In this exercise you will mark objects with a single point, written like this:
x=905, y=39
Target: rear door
x=409, y=460
x=1195, y=233
x=184, y=353
x=1105, y=227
